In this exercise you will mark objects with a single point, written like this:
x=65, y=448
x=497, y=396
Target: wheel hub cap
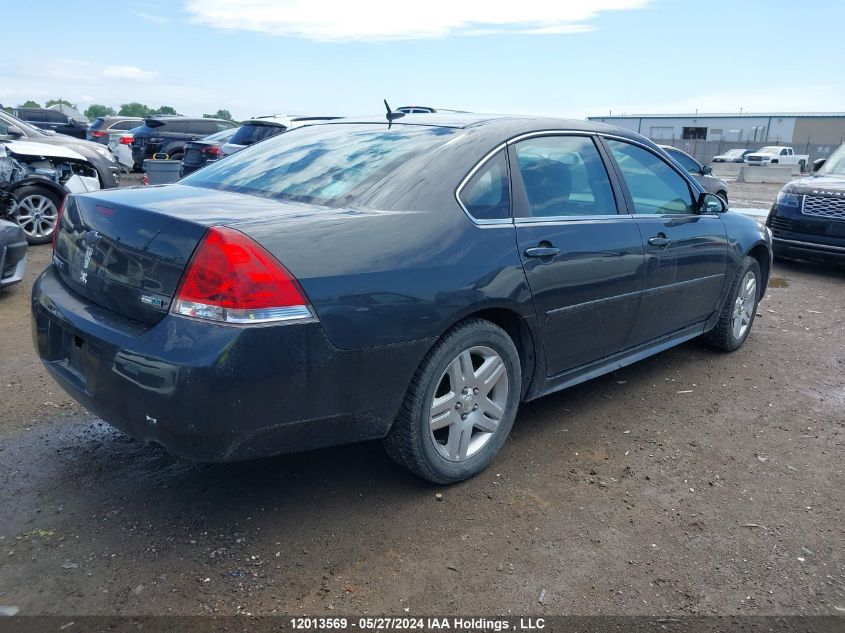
x=469, y=402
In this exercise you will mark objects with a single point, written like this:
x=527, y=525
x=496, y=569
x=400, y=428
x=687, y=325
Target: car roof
x=506, y=124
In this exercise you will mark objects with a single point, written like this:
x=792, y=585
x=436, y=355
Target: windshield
x=328, y=165
x=835, y=165
x=734, y=152
x=768, y=150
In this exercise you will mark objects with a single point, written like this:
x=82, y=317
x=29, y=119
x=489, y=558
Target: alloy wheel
x=745, y=305
x=469, y=402
x=37, y=215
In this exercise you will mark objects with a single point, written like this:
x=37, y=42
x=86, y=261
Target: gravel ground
x=694, y=482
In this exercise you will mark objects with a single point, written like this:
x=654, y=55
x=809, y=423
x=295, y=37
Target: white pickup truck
x=777, y=155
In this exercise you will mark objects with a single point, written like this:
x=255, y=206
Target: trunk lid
x=126, y=250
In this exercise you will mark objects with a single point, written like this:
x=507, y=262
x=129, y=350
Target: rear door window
x=685, y=161
x=125, y=125
x=173, y=127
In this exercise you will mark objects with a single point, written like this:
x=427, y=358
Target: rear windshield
x=328, y=165
x=250, y=133
x=97, y=123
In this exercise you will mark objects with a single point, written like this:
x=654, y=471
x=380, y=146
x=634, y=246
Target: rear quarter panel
x=383, y=277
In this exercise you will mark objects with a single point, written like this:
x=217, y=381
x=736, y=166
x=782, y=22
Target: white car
x=39, y=176
x=777, y=155
x=120, y=144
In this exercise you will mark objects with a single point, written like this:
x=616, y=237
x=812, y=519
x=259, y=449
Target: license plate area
x=70, y=354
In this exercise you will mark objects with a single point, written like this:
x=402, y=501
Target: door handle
x=660, y=241
x=542, y=251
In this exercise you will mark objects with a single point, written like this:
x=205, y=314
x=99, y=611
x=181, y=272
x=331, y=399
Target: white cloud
x=128, y=72
x=374, y=20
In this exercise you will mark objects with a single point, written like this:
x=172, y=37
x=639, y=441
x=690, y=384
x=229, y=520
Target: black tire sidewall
x=34, y=190
x=496, y=339
x=753, y=266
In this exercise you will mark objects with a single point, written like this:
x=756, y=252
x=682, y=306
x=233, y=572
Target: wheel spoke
x=489, y=373
x=483, y=423
x=492, y=408
x=456, y=377
x=443, y=411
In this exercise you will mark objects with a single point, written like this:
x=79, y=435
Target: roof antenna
x=392, y=115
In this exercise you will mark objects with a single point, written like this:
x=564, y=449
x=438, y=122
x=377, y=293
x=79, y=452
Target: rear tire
x=460, y=406
x=740, y=308
x=37, y=213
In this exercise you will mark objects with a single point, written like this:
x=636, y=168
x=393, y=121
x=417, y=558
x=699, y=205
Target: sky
x=341, y=57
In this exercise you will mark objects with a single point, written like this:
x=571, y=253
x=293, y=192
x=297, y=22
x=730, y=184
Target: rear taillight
x=214, y=150
x=58, y=223
x=125, y=140
x=232, y=279
x=97, y=134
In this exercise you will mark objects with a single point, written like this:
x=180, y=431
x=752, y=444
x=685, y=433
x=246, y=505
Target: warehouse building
x=706, y=135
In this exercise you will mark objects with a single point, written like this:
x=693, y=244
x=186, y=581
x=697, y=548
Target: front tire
x=724, y=196
x=37, y=213
x=740, y=308
x=460, y=406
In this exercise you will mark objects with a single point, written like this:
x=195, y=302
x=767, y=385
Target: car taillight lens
x=214, y=150
x=125, y=140
x=232, y=279
x=58, y=223
x=97, y=134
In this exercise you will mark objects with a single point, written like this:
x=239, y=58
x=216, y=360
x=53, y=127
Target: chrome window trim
x=556, y=219
x=482, y=222
x=539, y=133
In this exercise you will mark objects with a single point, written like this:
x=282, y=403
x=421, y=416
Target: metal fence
x=704, y=151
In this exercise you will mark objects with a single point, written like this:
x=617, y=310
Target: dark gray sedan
x=411, y=280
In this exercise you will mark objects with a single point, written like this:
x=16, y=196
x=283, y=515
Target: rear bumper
x=208, y=392
x=12, y=256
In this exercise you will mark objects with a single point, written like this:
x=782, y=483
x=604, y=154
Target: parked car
x=39, y=176
x=99, y=156
x=261, y=128
x=777, y=155
x=206, y=150
x=416, y=109
x=733, y=156
x=103, y=126
x=702, y=173
x=808, y=217
x=54, y=120
x=13, y=243
x=168, y=135
x=120, y=144
x=356, y=280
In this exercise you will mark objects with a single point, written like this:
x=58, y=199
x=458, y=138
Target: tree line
x=133, y=108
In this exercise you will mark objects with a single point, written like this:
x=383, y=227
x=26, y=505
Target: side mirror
x=706, y=170
x=711, y=203
x=14, y=131
x=818, y=164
